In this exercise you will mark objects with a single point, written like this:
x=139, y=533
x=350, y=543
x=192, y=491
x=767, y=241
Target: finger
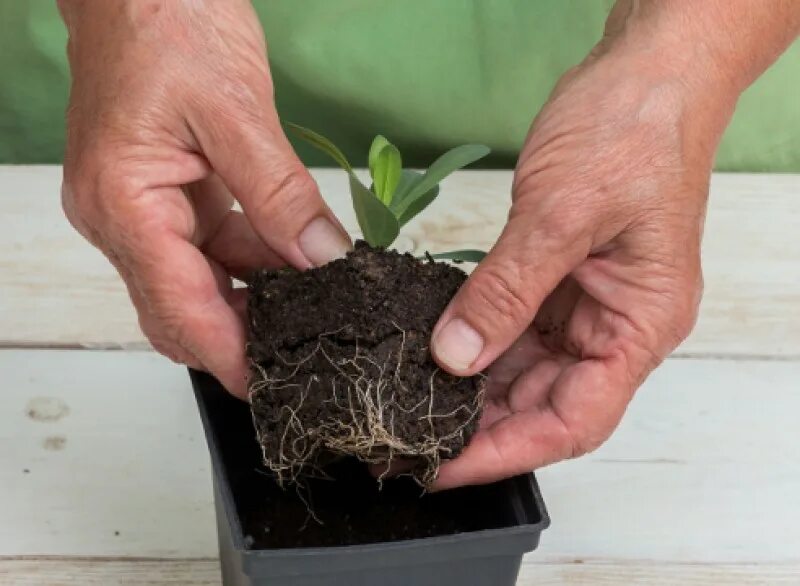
x=195, y=313
x=184, y=293
x=491, y=454
x=211, y=202
x=95, y=179
x=237, y=247
x=526, y=350
x=248, y=149
x=235, y=297
x=150, y=327
x=653, y=303
x=225, y=234
x=553, y=317
x=584, y=406
x=501, y=297
x=494, y=409
x=531, y=389
x=526, y=404
x=238, y=301
x=528, y=391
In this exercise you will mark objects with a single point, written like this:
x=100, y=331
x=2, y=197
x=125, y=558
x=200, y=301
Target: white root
x=366, y=393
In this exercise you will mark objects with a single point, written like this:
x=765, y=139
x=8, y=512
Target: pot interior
x=347, y=508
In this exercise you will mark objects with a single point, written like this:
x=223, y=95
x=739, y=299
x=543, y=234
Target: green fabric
x=426, y=73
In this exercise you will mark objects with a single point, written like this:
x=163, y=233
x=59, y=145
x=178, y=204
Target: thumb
x=501, y=297
x=278, y=195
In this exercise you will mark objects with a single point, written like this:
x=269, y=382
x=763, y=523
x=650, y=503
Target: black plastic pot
x=510, y=517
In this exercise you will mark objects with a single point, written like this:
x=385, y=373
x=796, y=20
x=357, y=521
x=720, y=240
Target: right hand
x=171, y=119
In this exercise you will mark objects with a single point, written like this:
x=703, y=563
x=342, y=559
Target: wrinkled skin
x=595, y=279
x=609, y=200
x=171, y=119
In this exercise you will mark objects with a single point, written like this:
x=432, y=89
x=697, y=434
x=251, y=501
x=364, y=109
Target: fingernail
x=458, y=345
x=322, y=242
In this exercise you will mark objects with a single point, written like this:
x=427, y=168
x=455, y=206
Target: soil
x=351, y=509
x=341, y=365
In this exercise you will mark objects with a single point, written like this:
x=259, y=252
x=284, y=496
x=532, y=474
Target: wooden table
x=104, y=475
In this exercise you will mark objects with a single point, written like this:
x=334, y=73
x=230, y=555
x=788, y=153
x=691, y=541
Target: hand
x=596, y=277
x=171, y=119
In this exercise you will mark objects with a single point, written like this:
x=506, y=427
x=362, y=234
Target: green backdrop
x=426, y=73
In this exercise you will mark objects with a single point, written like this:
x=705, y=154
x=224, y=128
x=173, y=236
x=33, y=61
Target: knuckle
x=69, y=204
x=235, y=105
x=170, y=325
x=113, y=183
x=233, y=86
x=500, y=291
x=80, y=203
x=583, y=443
x=560, y=228
x=174, y=322
x=77, y=190
x=684, y=326
x=556, y=219
x=230, y=113
x=285, y=195
x=95, y=181
x=585, y=437
x=165, y=348
x=685, y=316
x=246, y=98
x=159, y=333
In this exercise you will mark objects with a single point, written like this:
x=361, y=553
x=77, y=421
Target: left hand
x=171, y=119
x=596, y=277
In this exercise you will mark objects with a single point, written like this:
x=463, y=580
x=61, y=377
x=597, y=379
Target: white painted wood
x=703, y=470
x=104, y=572
x=701, y=484
x=202, y=572
x=54, y=287
x=56, y=290
x=126, y=456
x=614, y=573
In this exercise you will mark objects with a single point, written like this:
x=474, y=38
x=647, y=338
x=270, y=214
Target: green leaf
x=408, y=179
x=417, y=205
x=322, y=143
x=461, y=255
x=378, y=224
x=377, y=145
x=385, y=166
x=452, y=160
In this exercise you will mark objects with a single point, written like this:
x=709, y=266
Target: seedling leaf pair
x=396, y=195
x=421, y=190
x=385, y=167
x=378, y=224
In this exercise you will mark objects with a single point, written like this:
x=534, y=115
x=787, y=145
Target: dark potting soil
x=351, y=509
x=341, y=364
x=351, y=506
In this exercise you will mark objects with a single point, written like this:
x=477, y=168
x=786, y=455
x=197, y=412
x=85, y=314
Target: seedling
x=339, y=355
x=396, y=195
